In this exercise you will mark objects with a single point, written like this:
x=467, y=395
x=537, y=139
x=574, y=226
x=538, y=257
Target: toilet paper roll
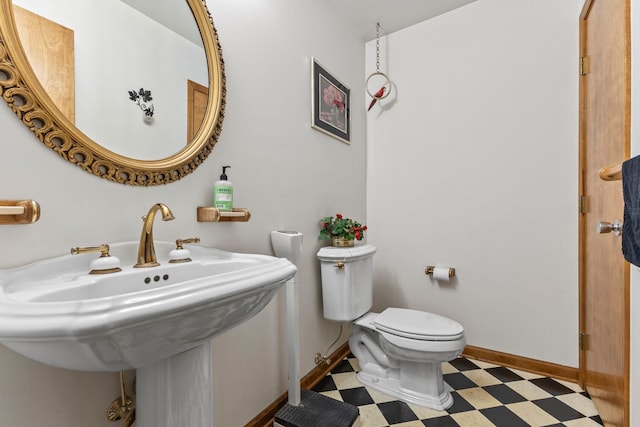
x=441, y=274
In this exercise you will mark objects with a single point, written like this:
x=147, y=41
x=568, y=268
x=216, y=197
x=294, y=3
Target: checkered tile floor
x=484, y=395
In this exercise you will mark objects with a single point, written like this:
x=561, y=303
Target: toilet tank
x=347, y=281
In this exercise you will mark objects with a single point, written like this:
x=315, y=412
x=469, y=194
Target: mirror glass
x=136, y=85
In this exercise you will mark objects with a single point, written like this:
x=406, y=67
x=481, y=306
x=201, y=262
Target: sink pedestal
x=176, y=391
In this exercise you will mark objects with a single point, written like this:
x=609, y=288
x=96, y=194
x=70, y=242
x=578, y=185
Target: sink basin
x=53, y=311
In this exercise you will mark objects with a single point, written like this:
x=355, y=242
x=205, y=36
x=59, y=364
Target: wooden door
x=197, y=96
x=49, y=47
x=604, y=140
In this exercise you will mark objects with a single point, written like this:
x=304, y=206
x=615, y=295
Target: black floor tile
x=356, y=396
x=503, y=374
x=446, y=421
x=552, y=386
x=504, y=394
x=558, y=409
x=463, y=364
x=325, y=384
x=397, y=412
x=458, y=381
x=459, y=404
x=342, y=367
x=501, y=416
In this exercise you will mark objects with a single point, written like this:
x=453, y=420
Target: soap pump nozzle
x=223, y=177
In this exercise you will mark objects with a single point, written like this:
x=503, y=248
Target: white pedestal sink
x=157, y=320
x=176, y=391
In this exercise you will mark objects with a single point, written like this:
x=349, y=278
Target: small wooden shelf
x=209, y=214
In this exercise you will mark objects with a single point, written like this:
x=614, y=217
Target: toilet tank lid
x=418, y=325
x=331, y=253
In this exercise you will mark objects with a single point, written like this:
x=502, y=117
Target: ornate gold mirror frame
x=24, y=94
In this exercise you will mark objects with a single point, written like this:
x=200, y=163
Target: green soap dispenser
x=223, y=193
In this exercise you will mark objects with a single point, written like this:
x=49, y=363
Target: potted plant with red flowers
x=341, y=231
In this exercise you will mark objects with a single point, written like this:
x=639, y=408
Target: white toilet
x=400, y=351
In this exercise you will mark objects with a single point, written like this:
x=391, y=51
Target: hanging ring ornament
x=386, y=84
x=381, y=92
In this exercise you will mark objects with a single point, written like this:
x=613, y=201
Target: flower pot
x=341, y=242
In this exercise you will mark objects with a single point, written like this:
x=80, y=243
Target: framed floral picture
x=331, y=101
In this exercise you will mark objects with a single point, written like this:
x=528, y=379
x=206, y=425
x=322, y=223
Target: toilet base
x=391, y=386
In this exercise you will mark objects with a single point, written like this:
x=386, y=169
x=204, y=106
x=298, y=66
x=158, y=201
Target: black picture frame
x=331, y=104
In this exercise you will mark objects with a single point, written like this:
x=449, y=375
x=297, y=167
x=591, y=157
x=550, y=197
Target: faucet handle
x=179, y=254
x=103, y=249
x=104, y=264
x=181, y=242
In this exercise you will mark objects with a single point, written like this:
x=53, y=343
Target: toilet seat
x=418, y=325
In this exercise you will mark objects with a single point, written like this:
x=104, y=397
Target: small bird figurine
x=377, y=96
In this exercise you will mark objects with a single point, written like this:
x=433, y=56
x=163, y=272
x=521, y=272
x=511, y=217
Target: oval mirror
x=145, y=101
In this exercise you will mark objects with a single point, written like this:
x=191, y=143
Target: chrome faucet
x=146, y=250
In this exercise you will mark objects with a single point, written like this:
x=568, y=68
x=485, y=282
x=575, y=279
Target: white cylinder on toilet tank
x=347, y=281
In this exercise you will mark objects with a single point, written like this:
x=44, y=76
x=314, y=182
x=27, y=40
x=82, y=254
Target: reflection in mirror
x=116, y=48
x=50, y=49
x=25, y=96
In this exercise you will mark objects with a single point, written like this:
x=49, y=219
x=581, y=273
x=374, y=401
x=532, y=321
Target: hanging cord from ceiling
x=384, y=88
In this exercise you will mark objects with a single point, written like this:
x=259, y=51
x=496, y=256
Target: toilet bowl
x=400, y=351
x=401, y=362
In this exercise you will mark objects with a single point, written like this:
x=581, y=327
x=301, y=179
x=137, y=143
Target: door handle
x=607, y=227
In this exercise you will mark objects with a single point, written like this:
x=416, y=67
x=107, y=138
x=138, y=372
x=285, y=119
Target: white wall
x=473, y=164
x=288, y=174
